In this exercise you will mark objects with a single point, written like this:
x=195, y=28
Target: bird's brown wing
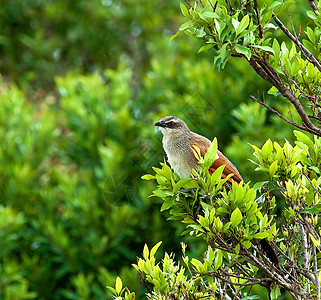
x=203, y=144
x=229, y=168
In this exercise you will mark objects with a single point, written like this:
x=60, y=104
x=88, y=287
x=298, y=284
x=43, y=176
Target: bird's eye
x=171, y=123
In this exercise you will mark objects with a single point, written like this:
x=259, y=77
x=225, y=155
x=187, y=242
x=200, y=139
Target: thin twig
x=257, y=281
x=277, y=113
x=292, y=25
x=229, y=6
x=316, y=272
x=258, y=19
x=304, y=247
x=189, y=5
x=309, y=55
x=307, y=177
x=313, y=6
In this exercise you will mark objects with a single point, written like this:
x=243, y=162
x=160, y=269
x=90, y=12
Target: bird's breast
x=180, y=157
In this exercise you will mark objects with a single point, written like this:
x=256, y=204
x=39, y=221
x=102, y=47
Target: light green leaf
x=243, y=24
x=181, y=183
x=243, y=50
x=175, y=35
x=119, y=285
x=218, y=259
x=205, y=47
x=210, y=14
x=217, y=175
x=312, y=15
x=273, y=168
x=235, y=24
x=167, y=204
x=261, y=235
x=184, y=10
x=145, y=252
x=154, y=249
x=148, y=177
x=276, y=48
x=211, y=154
x=236, y=217
x=185, y=25
x=265, y=48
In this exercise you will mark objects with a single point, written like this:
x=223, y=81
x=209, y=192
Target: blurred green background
x=82, y=83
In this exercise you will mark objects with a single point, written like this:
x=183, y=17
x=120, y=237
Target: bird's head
x=171, y=125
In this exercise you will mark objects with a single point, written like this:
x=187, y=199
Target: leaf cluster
x=242, y=225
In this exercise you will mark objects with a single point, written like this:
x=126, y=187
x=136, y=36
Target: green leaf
x=267, y=149
x=184, y=10
x=303, y=138
x=119, y=285
x=254, y=297
x=162, y=194
x=176, y=35
x=243, y=24
x=185, y=25
x=235, y=24
x=311, y=35
x=265, y=48
x=261, y=235
x=273, y=168
x=148, y=177
x=145, y=252
x=205, y=47
x=243, y=50
x=211, y=154
x=218, y=259
x=217, y=175
x=210, y=14
x=276, y=49
x=236, y=217
x=166, y=171
x=258, y=185
x=222, y=57
x=312, y=15
x=180, y=184
x=168, y=204
x=154, y=249
x=310, y=210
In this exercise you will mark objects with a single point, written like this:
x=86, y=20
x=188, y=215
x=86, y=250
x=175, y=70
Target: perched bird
x=178, y=142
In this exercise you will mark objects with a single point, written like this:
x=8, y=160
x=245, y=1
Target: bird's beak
x=161, y=124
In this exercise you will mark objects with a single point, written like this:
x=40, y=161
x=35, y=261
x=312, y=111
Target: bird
x=178, y=143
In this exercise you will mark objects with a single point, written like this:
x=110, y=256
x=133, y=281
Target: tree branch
x=277, y=113
x=316, y=272
x=270, y=272
x=258, y=19
x=313, y=6
x=309, y=55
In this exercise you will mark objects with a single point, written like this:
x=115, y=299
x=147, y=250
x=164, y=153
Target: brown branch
x=258, y=19
x=270, y=272
x=313, y=6
x=189, y=5
x=229, y=7
x=277, y=113
x=201, y=3
x=309, y=55
x=316, y=272
x=260, y=71
x=143, y=281
x=253, y=282
x=262, y=68
x=314, y=187
x=305, y=253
